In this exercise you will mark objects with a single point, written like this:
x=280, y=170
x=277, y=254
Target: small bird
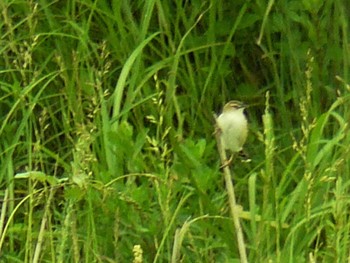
x=233, y=125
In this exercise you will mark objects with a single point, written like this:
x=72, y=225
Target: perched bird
x=233, y=126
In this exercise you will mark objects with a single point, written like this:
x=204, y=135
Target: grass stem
x=231, y=197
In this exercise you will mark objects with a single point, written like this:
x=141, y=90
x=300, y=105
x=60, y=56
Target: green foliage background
x=106, y=132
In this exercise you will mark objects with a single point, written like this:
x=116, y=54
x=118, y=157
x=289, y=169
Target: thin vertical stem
x=235, y=210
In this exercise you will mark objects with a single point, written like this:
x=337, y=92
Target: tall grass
x=107, y=151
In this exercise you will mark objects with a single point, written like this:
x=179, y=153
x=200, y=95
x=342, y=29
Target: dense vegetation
x=106, y=133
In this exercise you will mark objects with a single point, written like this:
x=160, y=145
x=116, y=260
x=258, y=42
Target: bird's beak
x=244, y=105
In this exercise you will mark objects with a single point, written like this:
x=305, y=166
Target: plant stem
x=231, y=196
